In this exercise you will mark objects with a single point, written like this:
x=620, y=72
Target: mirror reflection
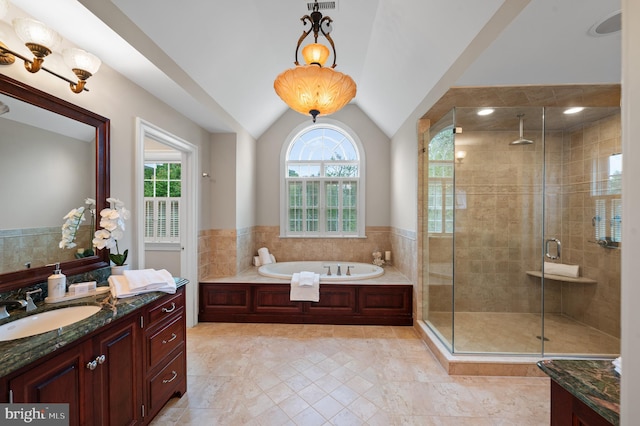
x=47, y=169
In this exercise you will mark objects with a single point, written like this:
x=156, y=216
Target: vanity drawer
x=161, y=342
x=167, y=382
x=169, y=306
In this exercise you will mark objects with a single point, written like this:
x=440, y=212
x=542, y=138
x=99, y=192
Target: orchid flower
x=112, y=223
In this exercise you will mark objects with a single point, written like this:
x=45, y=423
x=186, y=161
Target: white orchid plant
x=112, y=223
x=72, y=223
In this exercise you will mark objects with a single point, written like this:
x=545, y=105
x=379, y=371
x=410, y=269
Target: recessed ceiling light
x=485, y=111
x=573, y=110
x=612, y=23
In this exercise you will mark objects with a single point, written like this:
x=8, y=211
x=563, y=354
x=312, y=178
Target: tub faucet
x=339, y=271
x=10, y=303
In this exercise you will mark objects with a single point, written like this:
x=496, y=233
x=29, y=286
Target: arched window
x=322, y=183
x=440, y=191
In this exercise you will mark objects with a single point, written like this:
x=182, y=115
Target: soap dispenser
x=57, y=283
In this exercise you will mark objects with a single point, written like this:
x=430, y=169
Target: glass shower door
x=438, y=212
x=499, y=187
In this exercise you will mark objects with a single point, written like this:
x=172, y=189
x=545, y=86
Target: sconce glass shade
x=5, y=57
x=35, y=32
x=315, y=53
x=78, y=59
x=315, y=90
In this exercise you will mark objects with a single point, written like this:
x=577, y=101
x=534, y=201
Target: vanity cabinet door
x=63, y=378
x=118, y=374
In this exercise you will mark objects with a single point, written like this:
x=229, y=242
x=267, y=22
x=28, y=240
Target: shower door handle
x=546, y=248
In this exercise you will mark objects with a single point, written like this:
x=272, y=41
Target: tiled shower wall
x=586, y=153
x=498, y=228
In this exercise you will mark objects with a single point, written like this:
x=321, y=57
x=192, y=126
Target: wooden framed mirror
x=20, y=194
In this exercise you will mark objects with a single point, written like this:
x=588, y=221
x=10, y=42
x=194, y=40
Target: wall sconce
x=460, y=155
x=39, y=38
x=41, y=41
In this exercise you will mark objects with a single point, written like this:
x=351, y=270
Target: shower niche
x=526, y=176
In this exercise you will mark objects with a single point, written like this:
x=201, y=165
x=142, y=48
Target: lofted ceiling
x=215, y=61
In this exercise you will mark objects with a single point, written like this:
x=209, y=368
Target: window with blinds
x=322, y=177
x=162, y=196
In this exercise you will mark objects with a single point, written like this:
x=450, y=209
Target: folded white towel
x=120, y=287
x=306, y=293
x=306, y=278
x=265, y=257
x=148, y=278
x=617, y=365
x=562, y=269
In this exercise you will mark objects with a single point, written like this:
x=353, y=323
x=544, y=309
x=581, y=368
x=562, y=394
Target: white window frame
x=442, y=182
x=361, y=179
x=154, y=241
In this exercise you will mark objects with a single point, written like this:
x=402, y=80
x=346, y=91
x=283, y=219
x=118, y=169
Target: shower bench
x=357, y=304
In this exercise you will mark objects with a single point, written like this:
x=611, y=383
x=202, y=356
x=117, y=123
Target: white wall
x=376, y=146
x=630, y=409
x=404, y=178
x=117, y=98
x=222, y=181
x=245, y=181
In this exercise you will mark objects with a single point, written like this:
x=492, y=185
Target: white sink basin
x=45, y=321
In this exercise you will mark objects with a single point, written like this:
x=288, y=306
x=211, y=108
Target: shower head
x=521, y=140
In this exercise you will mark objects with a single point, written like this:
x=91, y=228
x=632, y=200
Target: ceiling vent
x=610, y=24
x=324, y=5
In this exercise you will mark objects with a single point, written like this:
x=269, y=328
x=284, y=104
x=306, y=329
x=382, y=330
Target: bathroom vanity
x=119, y=366
x=583, y=392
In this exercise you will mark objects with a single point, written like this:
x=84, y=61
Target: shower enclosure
x=513, y=201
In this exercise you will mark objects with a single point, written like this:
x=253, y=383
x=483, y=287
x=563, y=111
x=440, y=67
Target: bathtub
x=359, y=271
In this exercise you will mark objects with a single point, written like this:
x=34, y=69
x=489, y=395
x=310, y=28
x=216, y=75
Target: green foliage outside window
x=440, y=190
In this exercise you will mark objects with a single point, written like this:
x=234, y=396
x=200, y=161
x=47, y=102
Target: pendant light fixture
x=313, y=88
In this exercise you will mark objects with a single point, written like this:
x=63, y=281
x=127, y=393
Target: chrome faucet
x=339, y=271
x=12, y=304
x=30, y=305
x=329, y=271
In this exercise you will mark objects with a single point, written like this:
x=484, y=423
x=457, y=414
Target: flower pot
x=119, y=269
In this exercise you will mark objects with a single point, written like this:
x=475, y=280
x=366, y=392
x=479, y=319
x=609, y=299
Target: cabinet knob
x=101, y=359
x=92, y=365
x=171, y=309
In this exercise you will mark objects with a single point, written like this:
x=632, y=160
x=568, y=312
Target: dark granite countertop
x=17, y=353
x=593, y=382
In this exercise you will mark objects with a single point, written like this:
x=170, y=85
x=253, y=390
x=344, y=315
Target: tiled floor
x=276, y=374
x=493, y=332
